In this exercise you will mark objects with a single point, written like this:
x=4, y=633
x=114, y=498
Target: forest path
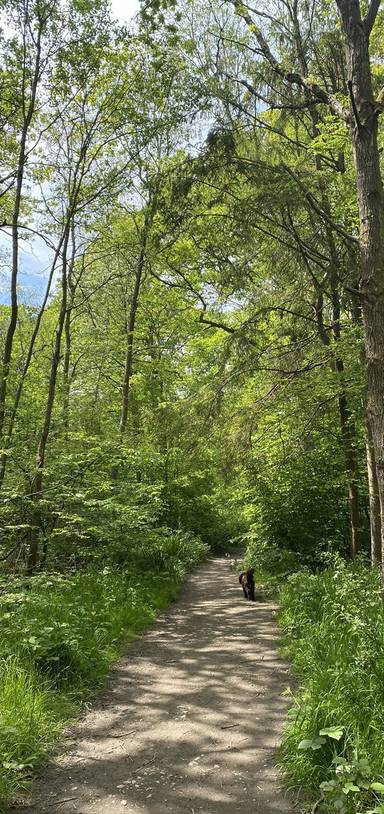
x=190, y=719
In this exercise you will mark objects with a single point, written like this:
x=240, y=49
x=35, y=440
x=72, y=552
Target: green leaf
x=311, y=743
x=378, y=787
x=350, y=787
x=334, y=732
x=305, y=744
x=328, y=785
x=339, y=805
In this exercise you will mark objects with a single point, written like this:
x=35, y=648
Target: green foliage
x=351, y=783
x=333, y=626
x=299, y=509
x=352, y=786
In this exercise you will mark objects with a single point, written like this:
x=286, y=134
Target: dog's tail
x=241, y=576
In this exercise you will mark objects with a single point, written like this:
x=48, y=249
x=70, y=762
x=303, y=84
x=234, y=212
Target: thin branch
x=213, y=324
x=271, y=104
x=318, y=209
x=15, y=547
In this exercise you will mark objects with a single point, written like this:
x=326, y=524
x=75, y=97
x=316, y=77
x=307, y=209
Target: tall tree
x=27, y=55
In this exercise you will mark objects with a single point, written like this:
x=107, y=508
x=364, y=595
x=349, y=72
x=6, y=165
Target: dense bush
x=333, y=624
x=60, y=633
x=297, y=518
x=271, y=562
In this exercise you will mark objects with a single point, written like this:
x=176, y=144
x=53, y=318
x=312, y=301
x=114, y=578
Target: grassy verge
x=59, y=634
x=333, y=629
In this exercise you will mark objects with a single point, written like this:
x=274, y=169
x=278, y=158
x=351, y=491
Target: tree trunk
x=348, y=433
x=68, y=337
x=347, y=425
x=371, y=216
x=4, y=456
x=374, y=501
x=130, y=332
x=373, y=487
x=140, y=263
x=66, y=364
x=8, y=346
x=37, y=487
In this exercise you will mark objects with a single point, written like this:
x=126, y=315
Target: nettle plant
x=352, y=788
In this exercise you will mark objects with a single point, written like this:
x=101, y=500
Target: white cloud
x=124, y=10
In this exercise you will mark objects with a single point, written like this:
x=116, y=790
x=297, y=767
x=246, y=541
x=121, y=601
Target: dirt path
x=190, y=720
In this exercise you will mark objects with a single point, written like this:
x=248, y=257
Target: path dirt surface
x=191, y=717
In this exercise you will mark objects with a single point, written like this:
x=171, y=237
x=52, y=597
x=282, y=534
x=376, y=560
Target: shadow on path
x=191, y=717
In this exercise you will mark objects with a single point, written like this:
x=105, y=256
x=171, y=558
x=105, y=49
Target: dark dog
x=247, y=583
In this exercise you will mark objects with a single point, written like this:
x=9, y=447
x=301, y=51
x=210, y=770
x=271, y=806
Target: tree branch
x=15, y=547
x=271, y=104
x=353, y=105
x=369, y=20
x=319, y=210
x=293, y=78
x=213, y=324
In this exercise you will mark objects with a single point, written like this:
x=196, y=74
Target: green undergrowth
x=60, y=633
x=333, y=632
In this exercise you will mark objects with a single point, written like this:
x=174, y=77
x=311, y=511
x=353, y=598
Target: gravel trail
x=190, y=719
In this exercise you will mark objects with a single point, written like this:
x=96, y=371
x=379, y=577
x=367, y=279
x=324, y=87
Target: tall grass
x=60, y=633
x=333, y=626
x=26, y=725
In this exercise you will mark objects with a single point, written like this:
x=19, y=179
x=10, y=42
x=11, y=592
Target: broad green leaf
x=334, y=732
x=350, y=787
x=311, y=743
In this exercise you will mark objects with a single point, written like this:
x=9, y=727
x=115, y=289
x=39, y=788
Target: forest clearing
x=192, y=365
